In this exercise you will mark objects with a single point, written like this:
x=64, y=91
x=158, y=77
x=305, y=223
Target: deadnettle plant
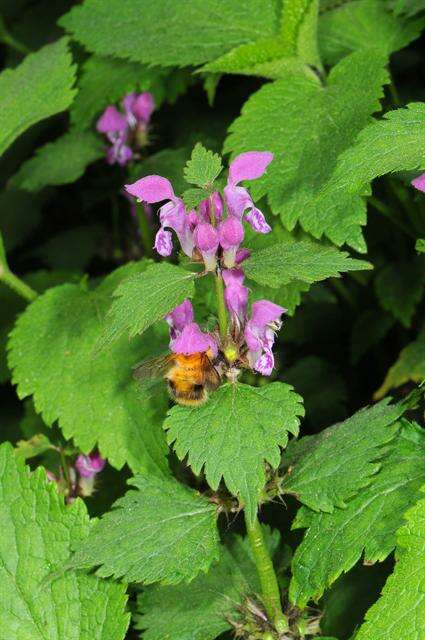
x=127, y=130
x=212, y=233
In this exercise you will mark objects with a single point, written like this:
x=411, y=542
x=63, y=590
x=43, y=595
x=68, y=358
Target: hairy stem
x=221, y=305
x=266, y=573
x=18, y=285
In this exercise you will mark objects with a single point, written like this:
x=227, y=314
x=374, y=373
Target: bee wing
x=212, y=376
x=152, y=368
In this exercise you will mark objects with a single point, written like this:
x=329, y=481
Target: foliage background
x=325, y=87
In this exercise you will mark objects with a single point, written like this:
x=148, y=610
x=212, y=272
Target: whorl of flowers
x=213, y=233
x=126, y=130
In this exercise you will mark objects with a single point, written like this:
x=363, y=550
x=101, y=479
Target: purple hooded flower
x=231, y=234
x=419, y=182
x=89, y=466
x=260, y=335
x=172, y=215
x=138, y=107
x=178, y=318
x=206, y=240
x=114, y=126
x=235, y=294
x=193, y=340
x=123, y=130
x=246, y=166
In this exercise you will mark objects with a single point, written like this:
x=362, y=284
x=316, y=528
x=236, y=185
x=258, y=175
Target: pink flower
x=419, y=182
x=231, y=234
x=246, y=166
x=178, y=318
x=235, y=294
x=138, y=107
x=172, y=215
x=193, y=340
x=260, y=335
x=89, y=466
x=206, y=240
x=123, y=130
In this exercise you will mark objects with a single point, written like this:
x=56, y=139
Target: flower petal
x=164, y=242
x=264, y=312
x=419, y=182
x=265, y=363
x=179, y=317
x=257, y=221
x=231, y=232
x=89, y=466
x=249, y=166
x=237, y=200
x=143, y=106
x=151, y=189
x=206, y=237
x=111, y=121
x=192, y=340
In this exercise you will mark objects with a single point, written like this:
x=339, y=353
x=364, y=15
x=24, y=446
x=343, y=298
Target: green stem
x=145, y=230
x=221, y=305
x=266, y=573
x=11, y=41
x=65, y=469
x=18, y=285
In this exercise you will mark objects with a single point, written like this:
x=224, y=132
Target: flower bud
x=89, y=466
x=206, y=240
x=231, y=234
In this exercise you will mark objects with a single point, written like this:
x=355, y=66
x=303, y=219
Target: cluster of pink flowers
x=214, y=234
x=82, y=476
x=126, y=131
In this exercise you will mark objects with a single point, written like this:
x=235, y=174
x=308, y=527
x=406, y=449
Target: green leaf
x=143, y=299
x=395, y=143
x=93, y=396
x=234, y=433
x=420, y=245
x=11, y=304
x=327, y=469
x=304, y=260
x=362, y=24
x=408, y=7
x=316, y=124
x=335, y=541
x=399, y=288
x=38, y=534
x=162, y=532
x=400, y=612
x=192, y=197
x=59, y=162
x=147, y=35
x=38, y=88
x=409, y=366
x=200, y=610
x=35, y=446
x=290, y=50
x=203, y=167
